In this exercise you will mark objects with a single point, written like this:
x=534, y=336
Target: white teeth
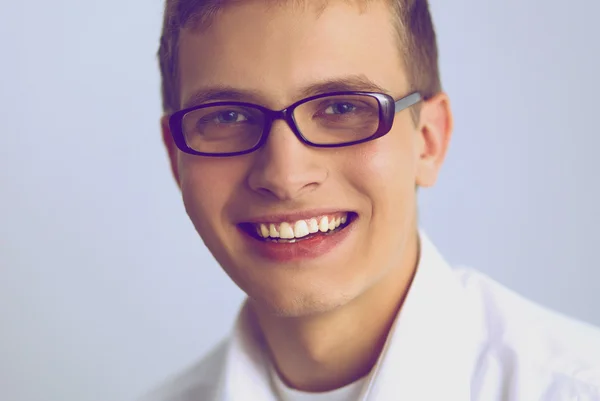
x=313, y=226
x=285, y=231
x=301, y=229
x=264, y=231
x=273, y=233
x=332, y=224
x=324, y=224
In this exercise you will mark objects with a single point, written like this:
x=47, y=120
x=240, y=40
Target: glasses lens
x=338, y=119
x=223, y=129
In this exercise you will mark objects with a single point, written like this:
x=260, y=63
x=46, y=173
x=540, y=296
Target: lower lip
x=310, y=248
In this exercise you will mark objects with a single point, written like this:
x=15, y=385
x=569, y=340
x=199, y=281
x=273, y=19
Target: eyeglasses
x=329, y=120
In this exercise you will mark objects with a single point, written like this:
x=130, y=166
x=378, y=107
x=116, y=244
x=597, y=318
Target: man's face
x=276, y=53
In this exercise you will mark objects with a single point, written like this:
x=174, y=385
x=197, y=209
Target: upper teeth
x=300, y=228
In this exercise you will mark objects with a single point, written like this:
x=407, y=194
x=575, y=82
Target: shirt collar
x=431, y=347
x=428, y=354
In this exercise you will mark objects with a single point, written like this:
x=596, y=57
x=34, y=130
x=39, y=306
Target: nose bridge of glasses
x=286, y=115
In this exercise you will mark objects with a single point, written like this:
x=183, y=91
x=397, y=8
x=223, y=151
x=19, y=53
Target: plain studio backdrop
x=105, y=287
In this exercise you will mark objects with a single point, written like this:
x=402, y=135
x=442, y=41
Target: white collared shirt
x=459, y=336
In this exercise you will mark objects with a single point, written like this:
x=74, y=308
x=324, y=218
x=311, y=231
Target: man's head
x=273, y=54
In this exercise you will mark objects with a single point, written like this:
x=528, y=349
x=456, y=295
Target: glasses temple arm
x=407, y=101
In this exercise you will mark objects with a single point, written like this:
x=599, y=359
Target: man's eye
x=229, y=117
x=340, y=108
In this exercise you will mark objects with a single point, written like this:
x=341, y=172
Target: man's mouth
x=299, y=230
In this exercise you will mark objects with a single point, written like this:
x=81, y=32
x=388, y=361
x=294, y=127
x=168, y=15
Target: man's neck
x=333, y=349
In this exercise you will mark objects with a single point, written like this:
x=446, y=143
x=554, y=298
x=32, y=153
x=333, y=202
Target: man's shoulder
x=198, y=382
x=525, y=342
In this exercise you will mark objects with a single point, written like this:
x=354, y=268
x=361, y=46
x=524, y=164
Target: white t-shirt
x=351, y=392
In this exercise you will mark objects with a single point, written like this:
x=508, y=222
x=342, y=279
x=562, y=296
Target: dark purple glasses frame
x=388, y=107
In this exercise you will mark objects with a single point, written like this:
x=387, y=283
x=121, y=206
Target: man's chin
x=299, y=305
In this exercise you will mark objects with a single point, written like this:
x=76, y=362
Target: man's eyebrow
x=353, y=83
x=220, y=93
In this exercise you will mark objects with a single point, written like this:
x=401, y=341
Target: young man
x=298, y=132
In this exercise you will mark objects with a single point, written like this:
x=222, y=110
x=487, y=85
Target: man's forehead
x=287, y=55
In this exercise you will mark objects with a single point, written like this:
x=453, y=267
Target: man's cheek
x=202, y=198
x=381, y=166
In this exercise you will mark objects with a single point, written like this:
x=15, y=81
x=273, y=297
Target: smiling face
x=359, y=200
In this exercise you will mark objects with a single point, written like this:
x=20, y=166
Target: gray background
x=105, y=288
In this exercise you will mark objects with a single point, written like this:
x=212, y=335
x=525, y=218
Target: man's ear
x=170, y=146
x=435, y=130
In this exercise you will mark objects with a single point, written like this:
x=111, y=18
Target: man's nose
x=285, y=168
